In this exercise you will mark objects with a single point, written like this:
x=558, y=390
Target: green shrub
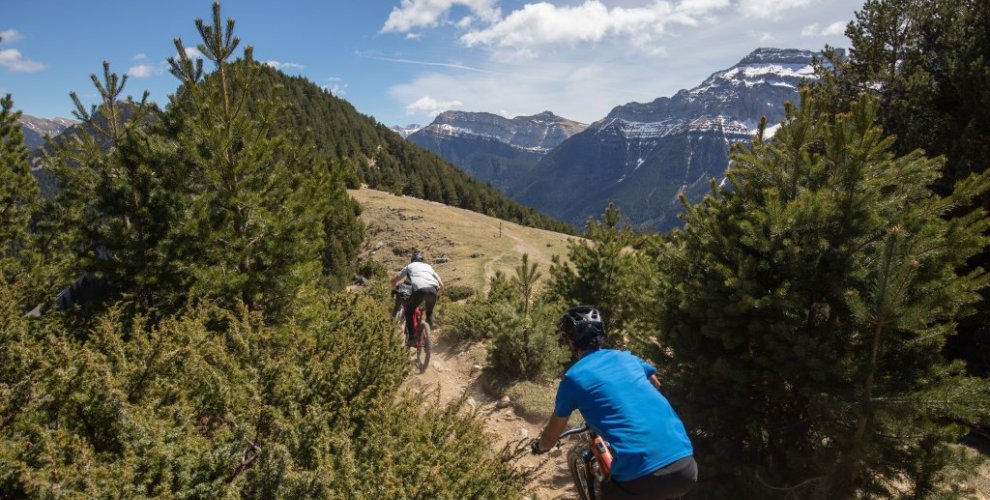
x=526, y=347
x=500, y=288
x=476, y=320
x=458, y=292
x=215, y=403
x=372, y=270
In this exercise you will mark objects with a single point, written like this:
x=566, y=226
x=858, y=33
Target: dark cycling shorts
x=671, y=481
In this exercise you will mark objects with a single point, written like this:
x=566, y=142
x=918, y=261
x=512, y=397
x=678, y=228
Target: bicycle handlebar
x=574, y=430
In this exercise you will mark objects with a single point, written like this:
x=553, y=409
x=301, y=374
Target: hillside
x=471, y=241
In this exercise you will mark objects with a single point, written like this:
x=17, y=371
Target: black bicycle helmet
x=417, y=256
x=582, y=325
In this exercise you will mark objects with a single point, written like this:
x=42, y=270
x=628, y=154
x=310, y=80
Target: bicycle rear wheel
x=581, y=474
x=423, y=347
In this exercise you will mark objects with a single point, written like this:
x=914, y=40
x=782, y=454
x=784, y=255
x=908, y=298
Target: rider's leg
x=430, y=300
x=671, y=481
x=411, y=304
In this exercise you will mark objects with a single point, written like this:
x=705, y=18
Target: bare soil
x=454, y=373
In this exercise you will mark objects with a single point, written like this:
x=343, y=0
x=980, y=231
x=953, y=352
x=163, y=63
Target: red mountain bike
x=421, y=329
x=590, y=462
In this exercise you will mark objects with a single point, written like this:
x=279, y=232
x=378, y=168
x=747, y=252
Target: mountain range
x=641, y=156
x=38, y=130
x=492, y=148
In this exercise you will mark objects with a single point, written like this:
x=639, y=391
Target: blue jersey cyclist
x=619, y=396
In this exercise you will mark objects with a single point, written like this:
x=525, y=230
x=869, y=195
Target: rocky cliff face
x=493, y=148
x=37, y=130
x=642, y=156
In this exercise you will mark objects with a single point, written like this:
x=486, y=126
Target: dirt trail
x=453, y=372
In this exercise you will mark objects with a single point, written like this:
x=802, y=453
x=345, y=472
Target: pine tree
x=606, y=272
x=114, y=171
x=805, y=311
x=19, y=199
x=524, y=281
x=255, y=224
x=927, y=60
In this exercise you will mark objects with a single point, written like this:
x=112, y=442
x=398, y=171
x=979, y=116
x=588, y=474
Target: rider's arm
x=551, y=434
x=655, y=381
x=399, y=277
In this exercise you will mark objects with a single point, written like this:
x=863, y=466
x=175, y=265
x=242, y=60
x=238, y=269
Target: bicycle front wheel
x=423, y=347
x=400, y=322
x=581, y=475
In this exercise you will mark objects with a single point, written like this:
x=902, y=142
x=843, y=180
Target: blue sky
x=403, y=61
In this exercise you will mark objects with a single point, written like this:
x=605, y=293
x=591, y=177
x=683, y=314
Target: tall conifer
x=605, y=272
x=254, y=224
x=806, y=309
x=19, y=198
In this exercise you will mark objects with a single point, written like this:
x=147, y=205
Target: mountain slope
x=38, y=130
x=642, y=156
x=476, y=245
x=492, y=148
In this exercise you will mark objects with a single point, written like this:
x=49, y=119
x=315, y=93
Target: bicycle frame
x=590, y=462
x=420, y=336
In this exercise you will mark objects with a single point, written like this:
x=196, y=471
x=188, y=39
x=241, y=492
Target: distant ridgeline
x=382, y=159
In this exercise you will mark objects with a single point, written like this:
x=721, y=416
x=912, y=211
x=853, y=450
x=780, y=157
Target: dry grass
x=397, y=224
x=981, y=478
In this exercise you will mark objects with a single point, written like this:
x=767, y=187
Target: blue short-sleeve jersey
x=614, y=394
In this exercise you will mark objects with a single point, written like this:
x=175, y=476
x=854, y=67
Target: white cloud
x=412, y=14
x=810, y=30
x=413, y=36
x=545, y=24
x=835, y=29
x=193, y=53
x=144, y=71
x=336, y=86
x=558, y=61
x=140, y=57
x=14, y=61
x=8, y=36
x=701, y=7
x=763, y=36
x=431, y=107
x=284, y=65
x=765, y=9
x=585, y=91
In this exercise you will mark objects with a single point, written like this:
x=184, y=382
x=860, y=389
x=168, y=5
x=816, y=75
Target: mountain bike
x=421, y=329
x=589, y=461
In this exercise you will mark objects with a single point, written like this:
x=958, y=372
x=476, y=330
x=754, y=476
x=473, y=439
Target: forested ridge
x=381, y=158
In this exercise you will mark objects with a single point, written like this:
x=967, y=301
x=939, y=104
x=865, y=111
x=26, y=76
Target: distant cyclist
x=426, y=285
x=619, y=396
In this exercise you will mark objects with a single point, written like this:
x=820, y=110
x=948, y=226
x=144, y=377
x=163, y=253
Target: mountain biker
x=619, y=396
x=426, y=284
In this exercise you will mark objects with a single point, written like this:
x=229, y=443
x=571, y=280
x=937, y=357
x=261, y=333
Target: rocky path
x=453, y=372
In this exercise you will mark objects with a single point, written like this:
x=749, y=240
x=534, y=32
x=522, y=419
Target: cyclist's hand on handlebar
x=534, y=447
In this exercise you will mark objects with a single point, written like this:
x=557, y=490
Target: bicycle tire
x=581, y=474
x=400, y=322
x=423, y=348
